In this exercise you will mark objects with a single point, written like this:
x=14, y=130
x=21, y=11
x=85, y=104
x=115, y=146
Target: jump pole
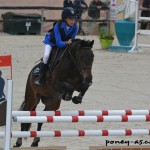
x=74, y=119
x=80, y=133
x=81, y=113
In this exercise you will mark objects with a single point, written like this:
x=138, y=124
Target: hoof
x=77, y=100
x=18, y=142
x=17, y=145
x=67, y=97
x=34, y=144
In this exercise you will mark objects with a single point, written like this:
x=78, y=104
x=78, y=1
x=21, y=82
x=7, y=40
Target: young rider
x=58, y=37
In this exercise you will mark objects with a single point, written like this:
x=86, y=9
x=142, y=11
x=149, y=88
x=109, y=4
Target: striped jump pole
x=44, y=119
x=81, y=113
x=80, y=133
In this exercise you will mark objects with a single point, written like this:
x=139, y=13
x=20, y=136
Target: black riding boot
x=40, y=79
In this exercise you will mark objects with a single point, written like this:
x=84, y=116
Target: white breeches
x=47, y=52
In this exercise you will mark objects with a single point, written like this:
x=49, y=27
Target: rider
x=60, y=38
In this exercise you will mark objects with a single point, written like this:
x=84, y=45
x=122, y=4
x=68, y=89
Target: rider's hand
x=69, y=42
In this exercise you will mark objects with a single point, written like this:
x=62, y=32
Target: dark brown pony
x=73, y=72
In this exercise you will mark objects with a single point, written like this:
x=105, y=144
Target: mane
x=83, y=43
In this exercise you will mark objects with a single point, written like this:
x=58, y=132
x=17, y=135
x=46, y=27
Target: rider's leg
x=47, y=53
x=43, y=66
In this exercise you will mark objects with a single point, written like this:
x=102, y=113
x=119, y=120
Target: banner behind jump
x=5, y=73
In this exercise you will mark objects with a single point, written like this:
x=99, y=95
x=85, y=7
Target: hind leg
x=25, y=126
x=54, y=105
x=37, y=139
x=19, y=140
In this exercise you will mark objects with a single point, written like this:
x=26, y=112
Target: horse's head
x=86, y=56
x=83, y=58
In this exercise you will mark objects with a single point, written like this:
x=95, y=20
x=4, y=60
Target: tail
x=22, y=107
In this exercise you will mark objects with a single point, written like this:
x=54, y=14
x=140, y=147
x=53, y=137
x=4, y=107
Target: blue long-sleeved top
x=58, y=36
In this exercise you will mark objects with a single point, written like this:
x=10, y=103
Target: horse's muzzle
x=85, y=84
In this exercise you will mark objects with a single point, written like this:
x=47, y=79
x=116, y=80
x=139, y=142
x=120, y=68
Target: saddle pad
x=36, y=70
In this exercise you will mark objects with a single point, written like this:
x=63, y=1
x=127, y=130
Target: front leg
x=84, y=87
x=66, y=89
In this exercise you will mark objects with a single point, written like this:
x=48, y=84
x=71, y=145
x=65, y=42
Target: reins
x=76, y=63
x=75, y=60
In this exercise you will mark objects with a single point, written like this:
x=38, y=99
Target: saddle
x=54, y=59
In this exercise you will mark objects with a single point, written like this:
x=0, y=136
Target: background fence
x=45, y=23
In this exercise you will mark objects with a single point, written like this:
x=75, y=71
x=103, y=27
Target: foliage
x=106, y=36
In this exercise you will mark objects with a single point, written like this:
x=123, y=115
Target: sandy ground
x=121, y=81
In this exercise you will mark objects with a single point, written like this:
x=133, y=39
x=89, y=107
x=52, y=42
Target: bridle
x=76, y=60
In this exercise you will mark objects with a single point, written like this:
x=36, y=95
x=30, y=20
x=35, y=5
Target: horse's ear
x=91, y=43
x=82, y=43
x=87, y=43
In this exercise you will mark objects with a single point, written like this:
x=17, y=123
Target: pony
x=71, y=72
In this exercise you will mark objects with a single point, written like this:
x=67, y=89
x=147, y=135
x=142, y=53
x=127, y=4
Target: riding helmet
x=68, y=12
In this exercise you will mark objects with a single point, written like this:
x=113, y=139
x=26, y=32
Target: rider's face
x=70, y=22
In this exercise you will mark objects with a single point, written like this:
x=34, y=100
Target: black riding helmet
x=68, y=12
